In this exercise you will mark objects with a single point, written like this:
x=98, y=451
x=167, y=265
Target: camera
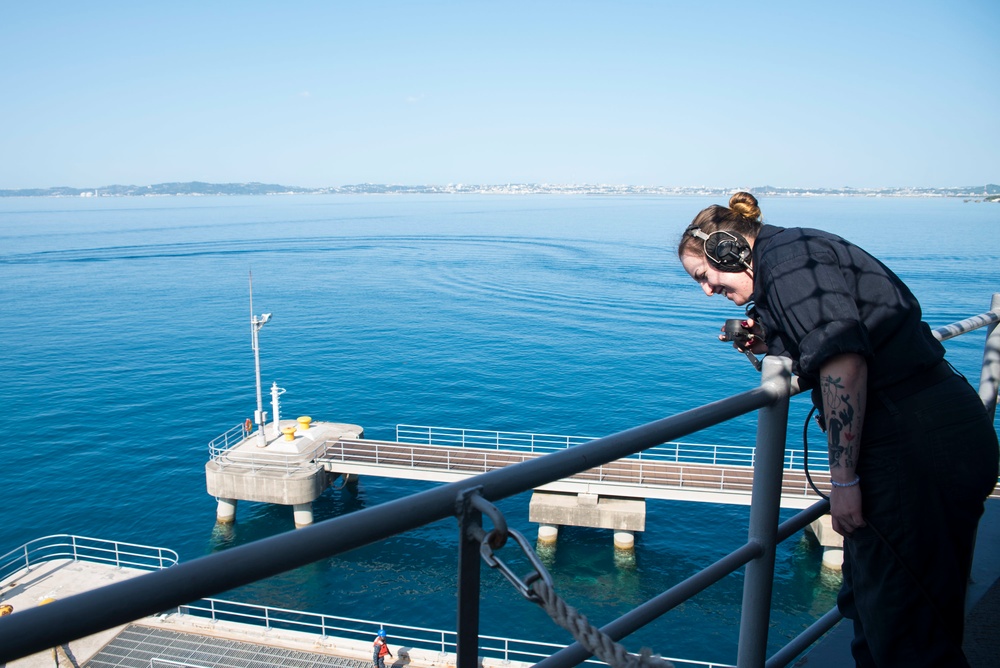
x=733, y=330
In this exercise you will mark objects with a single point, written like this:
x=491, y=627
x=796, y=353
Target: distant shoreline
x=988, y=192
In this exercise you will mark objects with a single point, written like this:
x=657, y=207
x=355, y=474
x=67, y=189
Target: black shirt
x=818, y=295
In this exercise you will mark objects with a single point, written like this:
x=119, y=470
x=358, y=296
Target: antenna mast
x=255, y=325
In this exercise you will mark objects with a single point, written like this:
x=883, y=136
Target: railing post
x=991, y=363
x=467, y=627
x=764, y=511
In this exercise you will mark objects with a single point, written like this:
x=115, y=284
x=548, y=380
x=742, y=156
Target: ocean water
x=125, y=348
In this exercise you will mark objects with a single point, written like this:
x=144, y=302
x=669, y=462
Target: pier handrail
x=349, y=628
x=626, y=477
x=69, y=546
x=512, y=441
x=224, y=452
x=36, y=629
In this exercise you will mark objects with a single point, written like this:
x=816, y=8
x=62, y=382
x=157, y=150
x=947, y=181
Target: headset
x=726, y=251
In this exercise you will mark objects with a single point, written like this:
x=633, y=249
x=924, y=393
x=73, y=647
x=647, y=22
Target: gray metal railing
x=36, y=629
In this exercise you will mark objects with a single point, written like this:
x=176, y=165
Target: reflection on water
x=223, y=535
x=546, y=551
x=625, y=559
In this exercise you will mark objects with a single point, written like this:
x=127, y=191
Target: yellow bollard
x=304, y=422
x=289, y=433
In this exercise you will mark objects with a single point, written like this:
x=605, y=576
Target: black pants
x=928, y=461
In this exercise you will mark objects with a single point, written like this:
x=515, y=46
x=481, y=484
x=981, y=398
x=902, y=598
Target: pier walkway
x=610, y=496
x=641, y=478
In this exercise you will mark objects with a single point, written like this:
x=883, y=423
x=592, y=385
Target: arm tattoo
x=841, y=428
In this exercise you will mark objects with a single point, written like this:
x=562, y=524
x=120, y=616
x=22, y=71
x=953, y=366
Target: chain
x=537, y=587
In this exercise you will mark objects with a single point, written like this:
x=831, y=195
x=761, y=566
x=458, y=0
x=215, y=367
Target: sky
x=720, y=94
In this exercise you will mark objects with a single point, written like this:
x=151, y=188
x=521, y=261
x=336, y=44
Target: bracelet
x=854, y=482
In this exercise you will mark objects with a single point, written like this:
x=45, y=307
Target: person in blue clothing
x=913, y=453
x=379, y=650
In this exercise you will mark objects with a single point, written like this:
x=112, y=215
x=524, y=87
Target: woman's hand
x=845, y=509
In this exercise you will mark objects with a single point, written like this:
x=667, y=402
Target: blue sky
x=724, y=94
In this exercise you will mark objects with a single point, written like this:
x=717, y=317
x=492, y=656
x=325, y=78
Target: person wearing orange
x=379, y=650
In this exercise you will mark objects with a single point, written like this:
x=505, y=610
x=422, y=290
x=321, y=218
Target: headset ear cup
x=711, y=244
x=730, y=254
x=724, y=250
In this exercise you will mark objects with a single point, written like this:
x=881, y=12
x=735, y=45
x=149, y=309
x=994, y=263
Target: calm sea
x=126, y=348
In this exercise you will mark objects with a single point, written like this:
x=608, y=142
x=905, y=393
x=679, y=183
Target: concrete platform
x=56, y=580
x=284, y=470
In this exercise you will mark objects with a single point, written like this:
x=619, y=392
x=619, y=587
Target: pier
x=295, y=471
x=284, y=470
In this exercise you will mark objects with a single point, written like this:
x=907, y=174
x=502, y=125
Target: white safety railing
x=156, y=661
x=81, y=548
x=224, y=451
x=692, y=453
x=649, y=477
x=435, y=641
x=229, y=439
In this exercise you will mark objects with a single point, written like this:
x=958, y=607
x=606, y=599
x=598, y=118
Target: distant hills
x=990, y=192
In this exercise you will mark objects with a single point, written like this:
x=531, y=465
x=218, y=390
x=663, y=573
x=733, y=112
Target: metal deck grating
x=135, y=646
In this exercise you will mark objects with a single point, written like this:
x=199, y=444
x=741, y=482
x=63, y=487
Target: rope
x=593, y=639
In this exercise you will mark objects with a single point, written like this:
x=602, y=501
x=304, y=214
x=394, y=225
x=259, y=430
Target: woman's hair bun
x=745, y=204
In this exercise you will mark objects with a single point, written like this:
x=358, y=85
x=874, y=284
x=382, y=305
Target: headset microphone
x=726, y=251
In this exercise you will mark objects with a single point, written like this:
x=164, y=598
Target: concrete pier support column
x=833, y=558
x=624, y=540
x=832, y=542
x=545, y=547
x=303, y=514
x=547, y=534
x=226, y=511
x=625, y=549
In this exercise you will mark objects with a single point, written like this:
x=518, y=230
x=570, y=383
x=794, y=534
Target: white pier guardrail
x=223, y=451
x=678, y=452
x=81, y=548
x=666, y=476
x=433, y=641
x=35, y=629
x=228, y=439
